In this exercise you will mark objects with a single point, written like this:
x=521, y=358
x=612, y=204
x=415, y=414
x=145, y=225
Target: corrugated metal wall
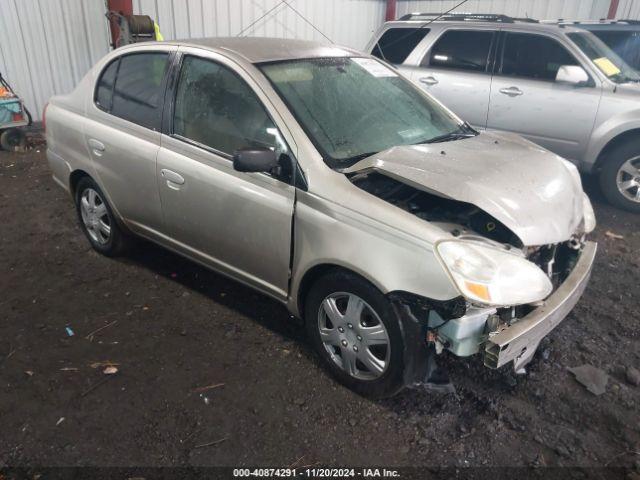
x=46, y=46
x=629, y=9
x=347, y=22
x=540, y=9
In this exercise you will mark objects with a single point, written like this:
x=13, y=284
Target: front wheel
x=620, y=177
x=354, y=329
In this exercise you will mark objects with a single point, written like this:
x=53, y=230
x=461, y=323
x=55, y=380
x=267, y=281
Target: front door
x=526, y=99
x=456, y=71
x=239, y=223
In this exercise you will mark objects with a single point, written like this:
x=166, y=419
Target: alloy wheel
x=354, y=336
x=95, y=216
x=628, y=179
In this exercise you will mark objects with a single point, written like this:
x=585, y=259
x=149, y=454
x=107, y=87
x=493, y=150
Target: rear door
x=526, y=99
x=457, y=71
x=239, y=223
x=122, y=133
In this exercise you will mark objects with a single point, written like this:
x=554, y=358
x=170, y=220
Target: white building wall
x=629, y=9
x=46, y=46
x=539, y=9
x=346, y=22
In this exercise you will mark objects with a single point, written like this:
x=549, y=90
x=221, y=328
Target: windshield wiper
x=464, y=131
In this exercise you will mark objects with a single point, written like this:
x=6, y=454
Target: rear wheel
x=13, y=139
x=356, y=333
x=97, y=219
x=620, y=177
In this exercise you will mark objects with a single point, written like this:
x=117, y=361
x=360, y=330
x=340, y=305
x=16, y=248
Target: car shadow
x=218, y=288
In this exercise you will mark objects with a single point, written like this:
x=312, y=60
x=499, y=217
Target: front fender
x=326, y=235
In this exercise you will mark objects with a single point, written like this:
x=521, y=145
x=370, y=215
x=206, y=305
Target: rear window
x=396, y=44
x=137, y=93
x=461, y=50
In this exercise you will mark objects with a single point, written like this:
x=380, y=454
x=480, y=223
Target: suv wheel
x=620, y=177
x=97, y=220
x=356, y=333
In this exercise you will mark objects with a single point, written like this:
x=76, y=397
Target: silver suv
x=555, y=84
x=324, y=179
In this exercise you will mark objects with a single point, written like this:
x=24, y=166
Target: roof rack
x=601, y=21
x=465, y=17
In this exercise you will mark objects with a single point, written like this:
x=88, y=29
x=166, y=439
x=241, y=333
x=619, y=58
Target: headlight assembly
x=589, y=215
x=493, y=277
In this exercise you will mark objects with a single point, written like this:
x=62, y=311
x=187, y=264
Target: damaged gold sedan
x=323, y=178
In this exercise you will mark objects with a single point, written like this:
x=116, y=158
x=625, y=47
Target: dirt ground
x=172, y=327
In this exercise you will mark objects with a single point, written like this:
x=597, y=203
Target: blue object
x=69, y=331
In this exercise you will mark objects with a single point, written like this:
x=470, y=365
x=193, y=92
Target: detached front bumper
x=518, y=342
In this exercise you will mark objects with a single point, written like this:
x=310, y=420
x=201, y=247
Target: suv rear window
x=461, y=50
x=396, y=44
x=137, y=94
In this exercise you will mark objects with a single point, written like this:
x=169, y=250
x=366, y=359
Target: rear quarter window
x=132, y=88
x=396, y=44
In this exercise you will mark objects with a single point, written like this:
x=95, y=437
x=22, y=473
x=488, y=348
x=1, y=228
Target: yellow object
x=479, y=290
x=607, y=66
x=156, y=28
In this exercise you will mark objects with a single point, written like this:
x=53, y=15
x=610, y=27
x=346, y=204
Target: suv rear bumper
x=519, y=341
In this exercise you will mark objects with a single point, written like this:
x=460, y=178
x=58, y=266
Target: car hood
x=532, y=191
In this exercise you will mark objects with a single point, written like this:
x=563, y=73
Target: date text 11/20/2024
x=316, y=472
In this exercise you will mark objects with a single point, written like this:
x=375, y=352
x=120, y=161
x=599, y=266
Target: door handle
x=97, y=146
x=429, y=80
x=511, y=91
x=173, y=179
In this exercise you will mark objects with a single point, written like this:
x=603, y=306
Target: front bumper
x=518, y=342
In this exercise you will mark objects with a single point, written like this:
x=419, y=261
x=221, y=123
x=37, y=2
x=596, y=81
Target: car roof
x=534, y=26
x=265, y=49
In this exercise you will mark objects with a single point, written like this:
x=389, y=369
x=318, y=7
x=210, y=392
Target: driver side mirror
x=572, y=74
x=260, y=160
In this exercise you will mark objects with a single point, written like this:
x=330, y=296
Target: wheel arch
x=612, y=144
x=311, y=275
x=74, y=179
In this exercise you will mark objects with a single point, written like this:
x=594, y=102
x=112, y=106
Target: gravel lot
x=172, y=328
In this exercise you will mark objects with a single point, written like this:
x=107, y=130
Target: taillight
x=17, y=117
x=44, y=117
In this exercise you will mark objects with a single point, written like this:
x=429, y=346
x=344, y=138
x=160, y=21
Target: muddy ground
x=173, y=327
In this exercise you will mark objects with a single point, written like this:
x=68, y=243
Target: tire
x=360, y=337
x=622, y=166
x=97, y=220
x=13, y=140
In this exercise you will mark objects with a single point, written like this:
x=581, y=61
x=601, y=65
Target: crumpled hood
x=529, y=189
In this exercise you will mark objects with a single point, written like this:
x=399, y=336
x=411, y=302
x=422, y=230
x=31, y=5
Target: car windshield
x=355, y=107
x=605, y=59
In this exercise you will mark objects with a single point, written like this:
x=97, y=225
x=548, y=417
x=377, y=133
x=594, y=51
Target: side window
x=216, y=108
x=138, y=93
x=104, y=90
x=534, y=56
x=461, y=50
x=396, y=44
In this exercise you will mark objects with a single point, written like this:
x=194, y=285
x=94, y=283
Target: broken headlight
x=589, y=215
x=490, y=276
